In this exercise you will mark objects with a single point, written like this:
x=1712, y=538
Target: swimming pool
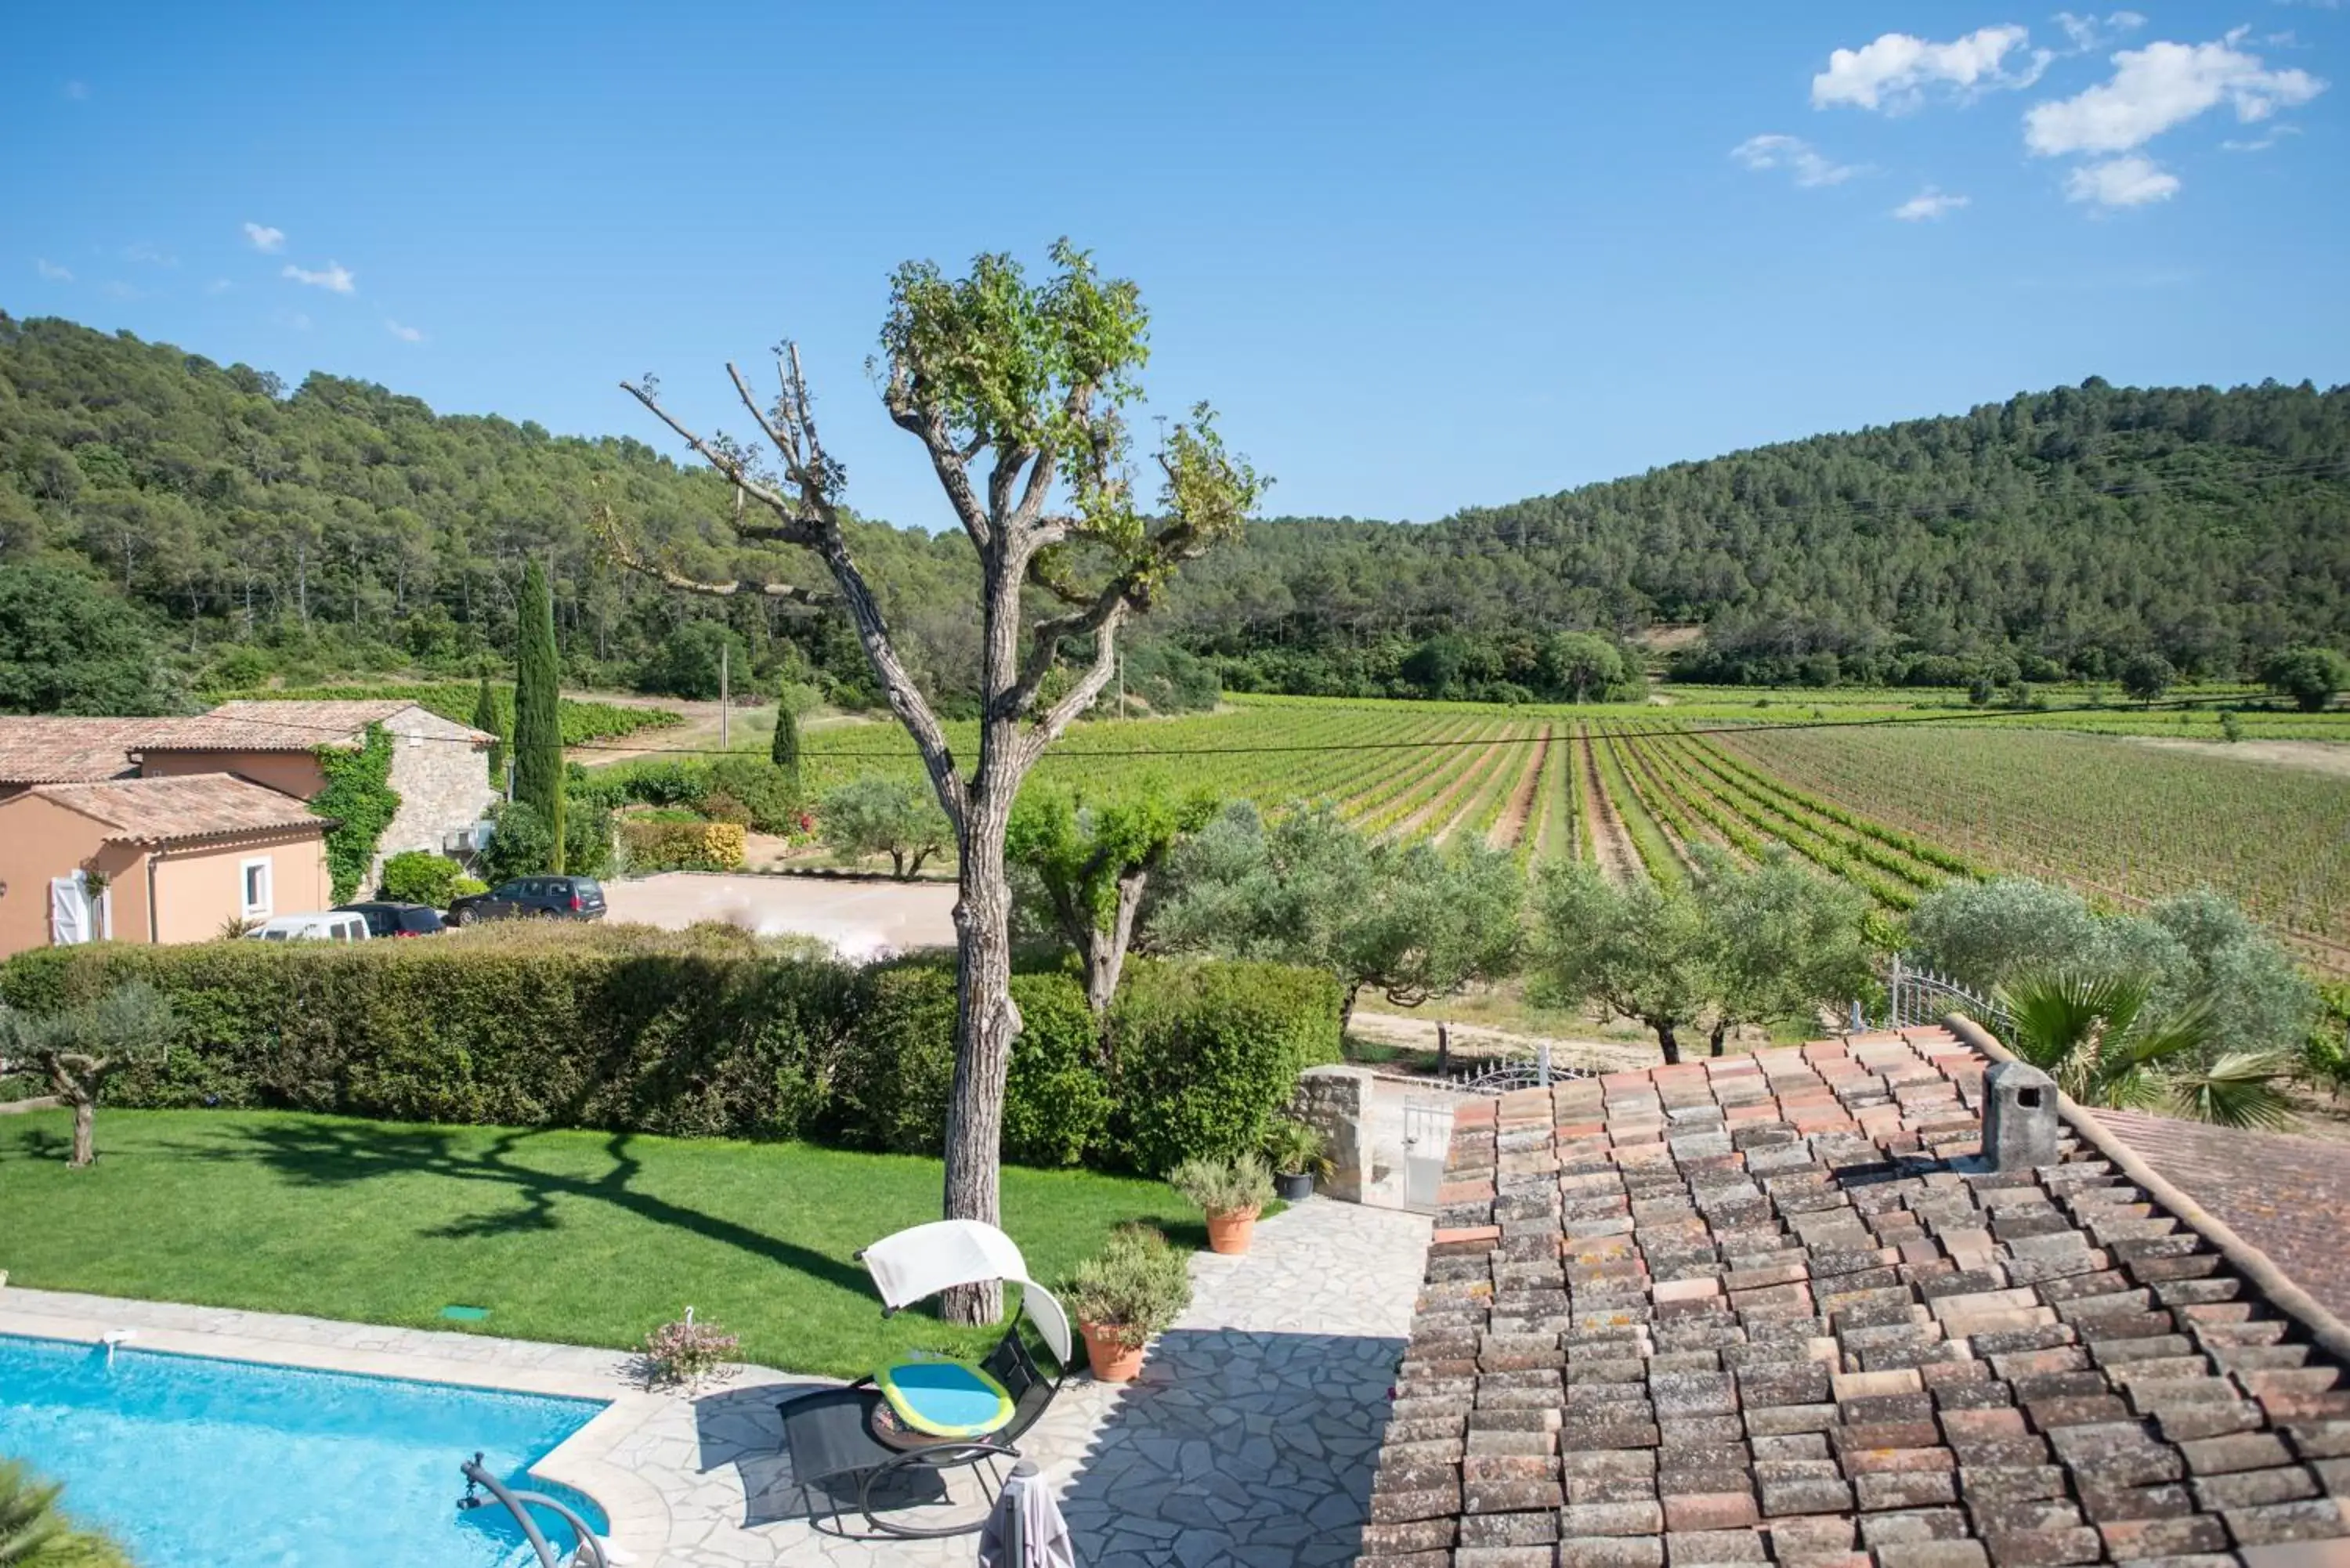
x=200, y=1463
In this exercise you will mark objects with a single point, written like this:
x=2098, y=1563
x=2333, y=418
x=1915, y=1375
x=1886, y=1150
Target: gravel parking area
x=863, y=919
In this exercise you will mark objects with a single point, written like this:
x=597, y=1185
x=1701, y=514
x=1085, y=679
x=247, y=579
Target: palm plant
x=36, y=1533
x=2095, y=1037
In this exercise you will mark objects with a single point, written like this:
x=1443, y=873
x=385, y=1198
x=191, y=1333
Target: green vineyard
x=1892, y=800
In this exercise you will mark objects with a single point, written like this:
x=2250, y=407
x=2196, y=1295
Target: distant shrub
x=420, y=877
x=689, y=846
x=764, y=793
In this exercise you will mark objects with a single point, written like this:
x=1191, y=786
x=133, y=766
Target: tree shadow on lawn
x=322, y=1153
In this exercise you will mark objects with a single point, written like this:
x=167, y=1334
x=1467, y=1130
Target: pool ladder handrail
x=590, y=1553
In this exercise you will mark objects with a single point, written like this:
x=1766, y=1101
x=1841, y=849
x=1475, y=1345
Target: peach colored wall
x=294, y=773
x=40, y=839
x=197, y=890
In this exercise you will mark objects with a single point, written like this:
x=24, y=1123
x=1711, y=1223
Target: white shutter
x=68, y=910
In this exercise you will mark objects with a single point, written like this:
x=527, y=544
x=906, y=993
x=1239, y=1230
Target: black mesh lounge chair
x=891, y=1443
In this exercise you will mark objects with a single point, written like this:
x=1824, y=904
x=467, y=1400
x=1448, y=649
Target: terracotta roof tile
x=265, y=726
x=50, y=750
x=192, y=805
x=1763, y=1309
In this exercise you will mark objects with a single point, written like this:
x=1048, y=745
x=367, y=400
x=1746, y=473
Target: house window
x=256, y=875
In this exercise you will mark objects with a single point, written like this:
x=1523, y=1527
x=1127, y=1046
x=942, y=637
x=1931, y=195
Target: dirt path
x=2314, y=756
x=1474, y=1040
x=1512, y=825
x=697, y=736
x=1610, y=843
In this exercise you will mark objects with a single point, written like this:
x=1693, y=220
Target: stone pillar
x=1336, y=1102
x=2019, y=1120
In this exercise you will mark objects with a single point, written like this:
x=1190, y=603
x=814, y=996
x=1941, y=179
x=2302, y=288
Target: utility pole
x=722, y=696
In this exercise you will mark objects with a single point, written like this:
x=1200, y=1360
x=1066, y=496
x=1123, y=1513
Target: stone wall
x=1336, y=1102
x=442, y=782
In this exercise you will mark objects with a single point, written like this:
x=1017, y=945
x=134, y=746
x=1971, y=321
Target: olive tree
x=1785, y=942
x=1639, y=951
x=889, y=816
x=77, y=1048
x=1082, y=866
x=1016, y=391
x=1733, y=945
x=1413, y=922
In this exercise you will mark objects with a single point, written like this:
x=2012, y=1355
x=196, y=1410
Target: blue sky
x=1419, y=257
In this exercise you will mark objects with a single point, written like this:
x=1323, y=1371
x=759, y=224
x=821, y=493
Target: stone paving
x=1249, y=1438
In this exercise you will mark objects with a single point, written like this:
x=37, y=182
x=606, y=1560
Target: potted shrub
x=1134, y=1288
x=1231, y=1192
x=1297, y=1153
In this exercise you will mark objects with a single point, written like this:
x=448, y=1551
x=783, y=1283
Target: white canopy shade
x=927, y=1258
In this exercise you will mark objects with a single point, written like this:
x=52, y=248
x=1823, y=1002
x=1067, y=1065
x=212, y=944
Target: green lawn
x=578, y=1237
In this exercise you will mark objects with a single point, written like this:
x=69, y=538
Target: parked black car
x=387, y=918
x=545, y=897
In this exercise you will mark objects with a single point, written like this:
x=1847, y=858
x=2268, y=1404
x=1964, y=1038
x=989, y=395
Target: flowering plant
x=686, y=1354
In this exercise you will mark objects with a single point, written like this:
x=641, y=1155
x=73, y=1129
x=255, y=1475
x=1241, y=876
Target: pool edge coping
x=637, y=1518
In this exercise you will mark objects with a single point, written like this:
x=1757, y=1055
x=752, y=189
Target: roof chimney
x=2019, y=1116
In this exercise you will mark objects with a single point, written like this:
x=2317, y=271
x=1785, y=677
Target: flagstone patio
x=1249, y=1438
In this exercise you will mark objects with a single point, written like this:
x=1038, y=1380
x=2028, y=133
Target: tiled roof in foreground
x=1747, y=1311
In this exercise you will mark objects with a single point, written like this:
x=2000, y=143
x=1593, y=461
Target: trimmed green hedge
x=702, y=1033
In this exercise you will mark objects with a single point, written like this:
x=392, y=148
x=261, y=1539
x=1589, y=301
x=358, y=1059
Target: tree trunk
x=1105, y=953
x=85, y=1129
x=1667, y=1041
x=987, y=1022
x=1443, y=1047
x=1347, y=1009
x=1721, y=1028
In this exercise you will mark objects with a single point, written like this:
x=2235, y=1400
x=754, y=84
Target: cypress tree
x=785, y=751
x=487, y=719
x=538, y=727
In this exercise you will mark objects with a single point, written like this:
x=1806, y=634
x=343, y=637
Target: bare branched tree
x=1027, y=381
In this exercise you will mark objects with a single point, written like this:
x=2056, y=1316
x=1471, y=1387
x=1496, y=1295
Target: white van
x=335, y=926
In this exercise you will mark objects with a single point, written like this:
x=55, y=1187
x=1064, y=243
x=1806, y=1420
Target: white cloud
x=265, y=238
x=117, y=289
x=77, y=90
x=2092, y=32
x=2161, y=86
x=1930, y=203
x=51, y=270
x=153, y=256
x=2276, y=133
x=2127, y=181
x=1894, y=73
x=219, y=286
x=335, y=278
x=1798, y=157
x=405, y=334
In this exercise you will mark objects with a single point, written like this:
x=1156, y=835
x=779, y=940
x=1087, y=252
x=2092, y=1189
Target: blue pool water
x=197, y=1463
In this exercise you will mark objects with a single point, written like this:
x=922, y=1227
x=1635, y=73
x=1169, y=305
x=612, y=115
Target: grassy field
x=576, y=1237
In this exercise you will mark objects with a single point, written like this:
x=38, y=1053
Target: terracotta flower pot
x=1230, y=1233
x=1111, y=1362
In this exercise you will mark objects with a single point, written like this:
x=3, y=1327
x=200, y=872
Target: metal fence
x=1922, y=996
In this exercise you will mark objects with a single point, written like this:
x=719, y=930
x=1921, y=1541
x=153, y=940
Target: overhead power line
x=1649, y=726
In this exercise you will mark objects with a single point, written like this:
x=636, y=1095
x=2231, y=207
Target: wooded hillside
x=341, y=526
